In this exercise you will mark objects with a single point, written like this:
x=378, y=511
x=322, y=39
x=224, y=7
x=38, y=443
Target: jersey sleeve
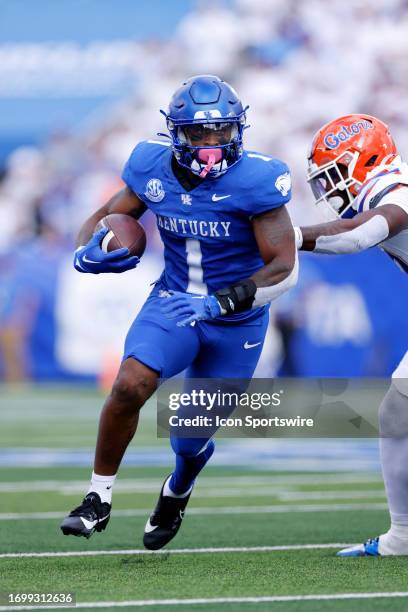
x=271, y=187
x=398, y=196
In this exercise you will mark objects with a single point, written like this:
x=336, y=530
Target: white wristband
x=298, y=237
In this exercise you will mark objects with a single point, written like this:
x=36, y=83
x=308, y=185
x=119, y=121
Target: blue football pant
x=216, y=349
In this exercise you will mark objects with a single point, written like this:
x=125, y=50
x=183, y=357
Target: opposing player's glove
x=90, y=258
x=191, y=307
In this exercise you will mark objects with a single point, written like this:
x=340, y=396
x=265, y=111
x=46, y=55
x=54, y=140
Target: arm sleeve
x=366, y=235
x=264, y=295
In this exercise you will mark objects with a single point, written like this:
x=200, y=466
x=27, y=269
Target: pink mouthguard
x=211, y=157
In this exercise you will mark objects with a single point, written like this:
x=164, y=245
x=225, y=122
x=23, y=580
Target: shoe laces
x=90, y=505
x=371, y=541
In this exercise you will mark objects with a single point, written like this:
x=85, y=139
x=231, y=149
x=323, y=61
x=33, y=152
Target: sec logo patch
x=154, y=190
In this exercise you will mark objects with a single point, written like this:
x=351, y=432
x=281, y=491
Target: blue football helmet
x=205, y=110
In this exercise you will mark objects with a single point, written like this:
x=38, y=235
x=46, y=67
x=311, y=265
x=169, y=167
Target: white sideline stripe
x=214, y=600
x=278, y=508
x=175, y=551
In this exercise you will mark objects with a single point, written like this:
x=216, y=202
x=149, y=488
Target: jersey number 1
x=195, y=270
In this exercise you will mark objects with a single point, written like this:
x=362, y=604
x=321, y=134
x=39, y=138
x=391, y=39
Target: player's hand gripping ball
x=123, y=232
x=116, y=246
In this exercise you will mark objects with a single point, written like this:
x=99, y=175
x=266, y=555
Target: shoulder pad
x=378, y=187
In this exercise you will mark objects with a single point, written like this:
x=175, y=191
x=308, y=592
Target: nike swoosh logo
x=216, y=198
x=90, y=524
x=248, y=346
x=149, y=527
x=89, y=260
x=78, y=263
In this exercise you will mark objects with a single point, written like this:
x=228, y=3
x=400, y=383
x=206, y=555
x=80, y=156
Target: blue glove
x=191, y=307
x=90, y=258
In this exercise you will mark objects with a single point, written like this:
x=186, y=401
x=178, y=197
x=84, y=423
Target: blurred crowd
x=297, y=63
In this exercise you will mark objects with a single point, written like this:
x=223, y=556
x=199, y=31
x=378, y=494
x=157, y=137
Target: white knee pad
x=393, y=414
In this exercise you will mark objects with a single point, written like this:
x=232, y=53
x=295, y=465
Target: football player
x=229, y=250
x=359, y=180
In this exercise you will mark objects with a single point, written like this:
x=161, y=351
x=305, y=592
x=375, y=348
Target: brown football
x=124, y=231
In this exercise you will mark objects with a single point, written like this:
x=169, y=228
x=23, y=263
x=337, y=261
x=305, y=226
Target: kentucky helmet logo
x=283, y=183
x=154, y=190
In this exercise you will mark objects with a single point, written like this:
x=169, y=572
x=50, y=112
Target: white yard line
x=283, y=493
x=215, y=600
x=324, y=495
x=278, y=508
x=175, y=551
x=213, y=482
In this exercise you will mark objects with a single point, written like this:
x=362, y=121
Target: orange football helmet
x=343, y=152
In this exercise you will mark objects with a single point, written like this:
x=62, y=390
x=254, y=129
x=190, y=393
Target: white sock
x=167, y=492
x=395, y=541
x=103, y=486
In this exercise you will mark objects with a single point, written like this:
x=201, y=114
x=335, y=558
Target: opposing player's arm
x=125, y=202
x=365, y=230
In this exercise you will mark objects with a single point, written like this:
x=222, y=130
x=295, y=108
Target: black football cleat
x=165, y=520
x=92, y=515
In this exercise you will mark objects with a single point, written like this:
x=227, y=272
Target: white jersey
x=379, y=190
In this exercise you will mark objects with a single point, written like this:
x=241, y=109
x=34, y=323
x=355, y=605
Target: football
x=124, y=231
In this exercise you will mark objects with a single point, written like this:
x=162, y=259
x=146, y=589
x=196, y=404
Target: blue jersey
x=207, y=232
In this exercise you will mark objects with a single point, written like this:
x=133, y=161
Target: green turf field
x=244, y=536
